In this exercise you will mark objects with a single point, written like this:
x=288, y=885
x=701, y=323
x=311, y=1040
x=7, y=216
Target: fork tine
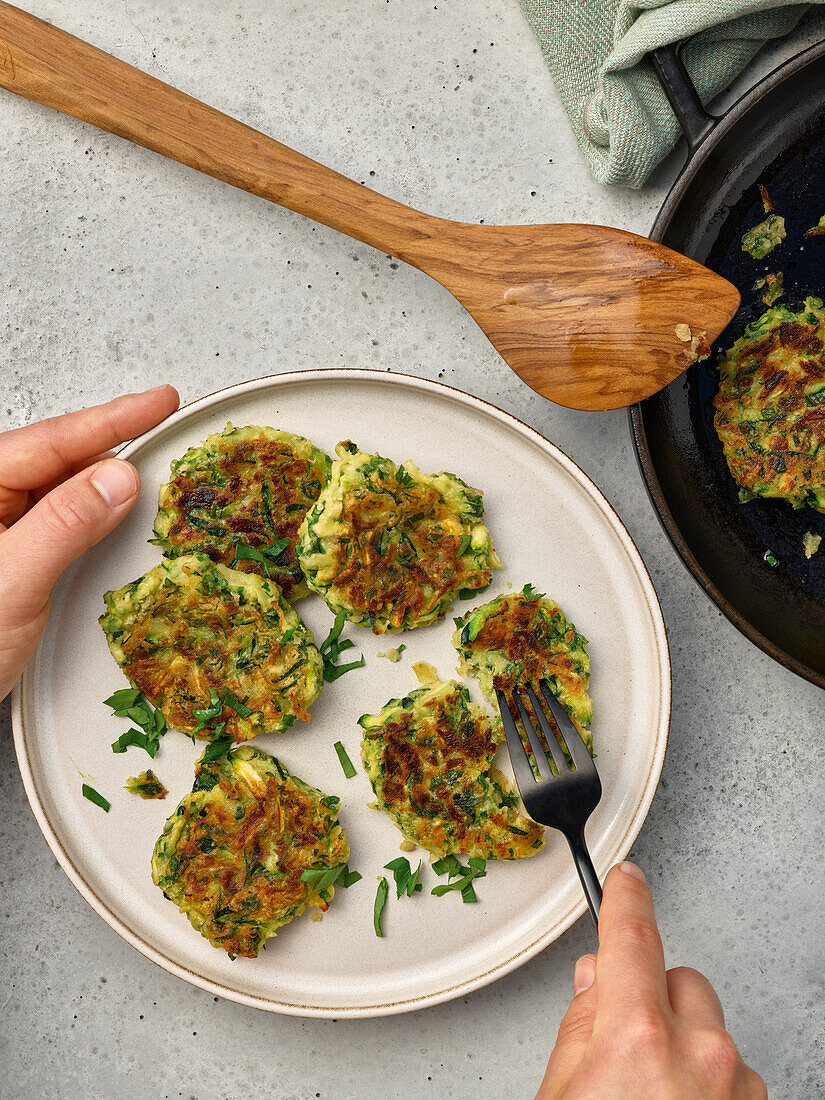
x=572, y=738
x=559, y=758
x=518, y=757
x=539, y=751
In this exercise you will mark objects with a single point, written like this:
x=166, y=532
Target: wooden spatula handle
x=52, y=67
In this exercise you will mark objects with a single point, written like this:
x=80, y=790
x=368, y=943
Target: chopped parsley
x=347, y=765
x=96, y=797
x=322, y=877
x=463, y=876
x=406, y=880
x=215, y=749
x=331, y=649
x=132, y=703
x=380, y=901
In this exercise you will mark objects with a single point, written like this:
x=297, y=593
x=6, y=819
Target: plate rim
x=563, y=923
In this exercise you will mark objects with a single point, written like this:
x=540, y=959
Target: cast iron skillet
x=774, y=135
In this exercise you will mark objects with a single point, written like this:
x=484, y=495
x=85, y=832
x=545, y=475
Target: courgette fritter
x=429, y=759
x=216, y=650
x=240, y=497
x=392, y=547
x=521, y=638
x=770, y=408
x=231, y=856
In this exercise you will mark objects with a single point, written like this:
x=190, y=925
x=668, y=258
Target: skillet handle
x=682, y=95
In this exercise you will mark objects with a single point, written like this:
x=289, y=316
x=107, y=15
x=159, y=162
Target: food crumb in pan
x=766, y=199
x=769, y=559
x=697, y=347
x=817, y=230
x=764, y=237
x=810, y=543
x=774, y=281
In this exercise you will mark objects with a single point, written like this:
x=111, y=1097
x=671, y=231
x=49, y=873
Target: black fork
x=564, y=801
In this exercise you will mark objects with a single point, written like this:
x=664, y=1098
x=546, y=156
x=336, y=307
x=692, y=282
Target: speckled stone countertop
x=121, y=270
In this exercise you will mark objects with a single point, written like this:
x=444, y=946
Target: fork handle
x=587, y=873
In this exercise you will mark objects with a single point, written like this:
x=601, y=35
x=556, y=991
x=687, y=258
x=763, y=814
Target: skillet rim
x=670, y=206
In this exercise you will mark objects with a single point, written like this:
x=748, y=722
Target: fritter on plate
x=231, y=856
x=392, y=547
x=240, y=497
x=429, y=759
x=770, y=408
x=216, y=650
x=519, y=639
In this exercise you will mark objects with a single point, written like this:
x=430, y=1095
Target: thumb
x=68, y=520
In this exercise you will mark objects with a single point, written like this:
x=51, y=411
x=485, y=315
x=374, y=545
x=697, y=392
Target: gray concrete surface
x=120, y=270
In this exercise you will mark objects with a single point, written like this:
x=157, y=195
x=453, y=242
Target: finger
x=75, y=468
x=576, y=1027
x=630, y=968
x=35, y=455
x=16, y=502
x=693, y=997
x=73, y=517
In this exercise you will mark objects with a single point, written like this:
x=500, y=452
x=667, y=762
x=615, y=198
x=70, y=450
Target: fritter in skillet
x=216, y=650
x=770, y=408
x=522, y=638
x=240, y=497
x=392, y=547
x=429, y=758
x=231, y=856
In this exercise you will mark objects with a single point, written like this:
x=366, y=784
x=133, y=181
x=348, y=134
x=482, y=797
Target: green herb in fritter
x=347, y=765
x=96, y=797
x=770, y=407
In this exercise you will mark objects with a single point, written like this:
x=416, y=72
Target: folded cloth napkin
x=595, y=50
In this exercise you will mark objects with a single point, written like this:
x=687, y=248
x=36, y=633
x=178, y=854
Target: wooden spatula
x=591, y=317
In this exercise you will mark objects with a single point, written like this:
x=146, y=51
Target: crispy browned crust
x=413, y=587
x=222, y=867
x=769, y=414
x=261, y=493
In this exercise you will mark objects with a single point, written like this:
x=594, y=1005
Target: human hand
x=60, y=493
x=635, y=1030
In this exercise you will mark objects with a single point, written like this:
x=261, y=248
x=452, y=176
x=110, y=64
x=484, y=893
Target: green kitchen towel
x=595, y=50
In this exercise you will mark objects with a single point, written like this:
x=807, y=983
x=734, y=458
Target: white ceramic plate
x=551, y=527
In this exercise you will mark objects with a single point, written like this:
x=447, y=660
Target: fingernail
x=632, y=870
x=584, y=975
x=116, y=481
